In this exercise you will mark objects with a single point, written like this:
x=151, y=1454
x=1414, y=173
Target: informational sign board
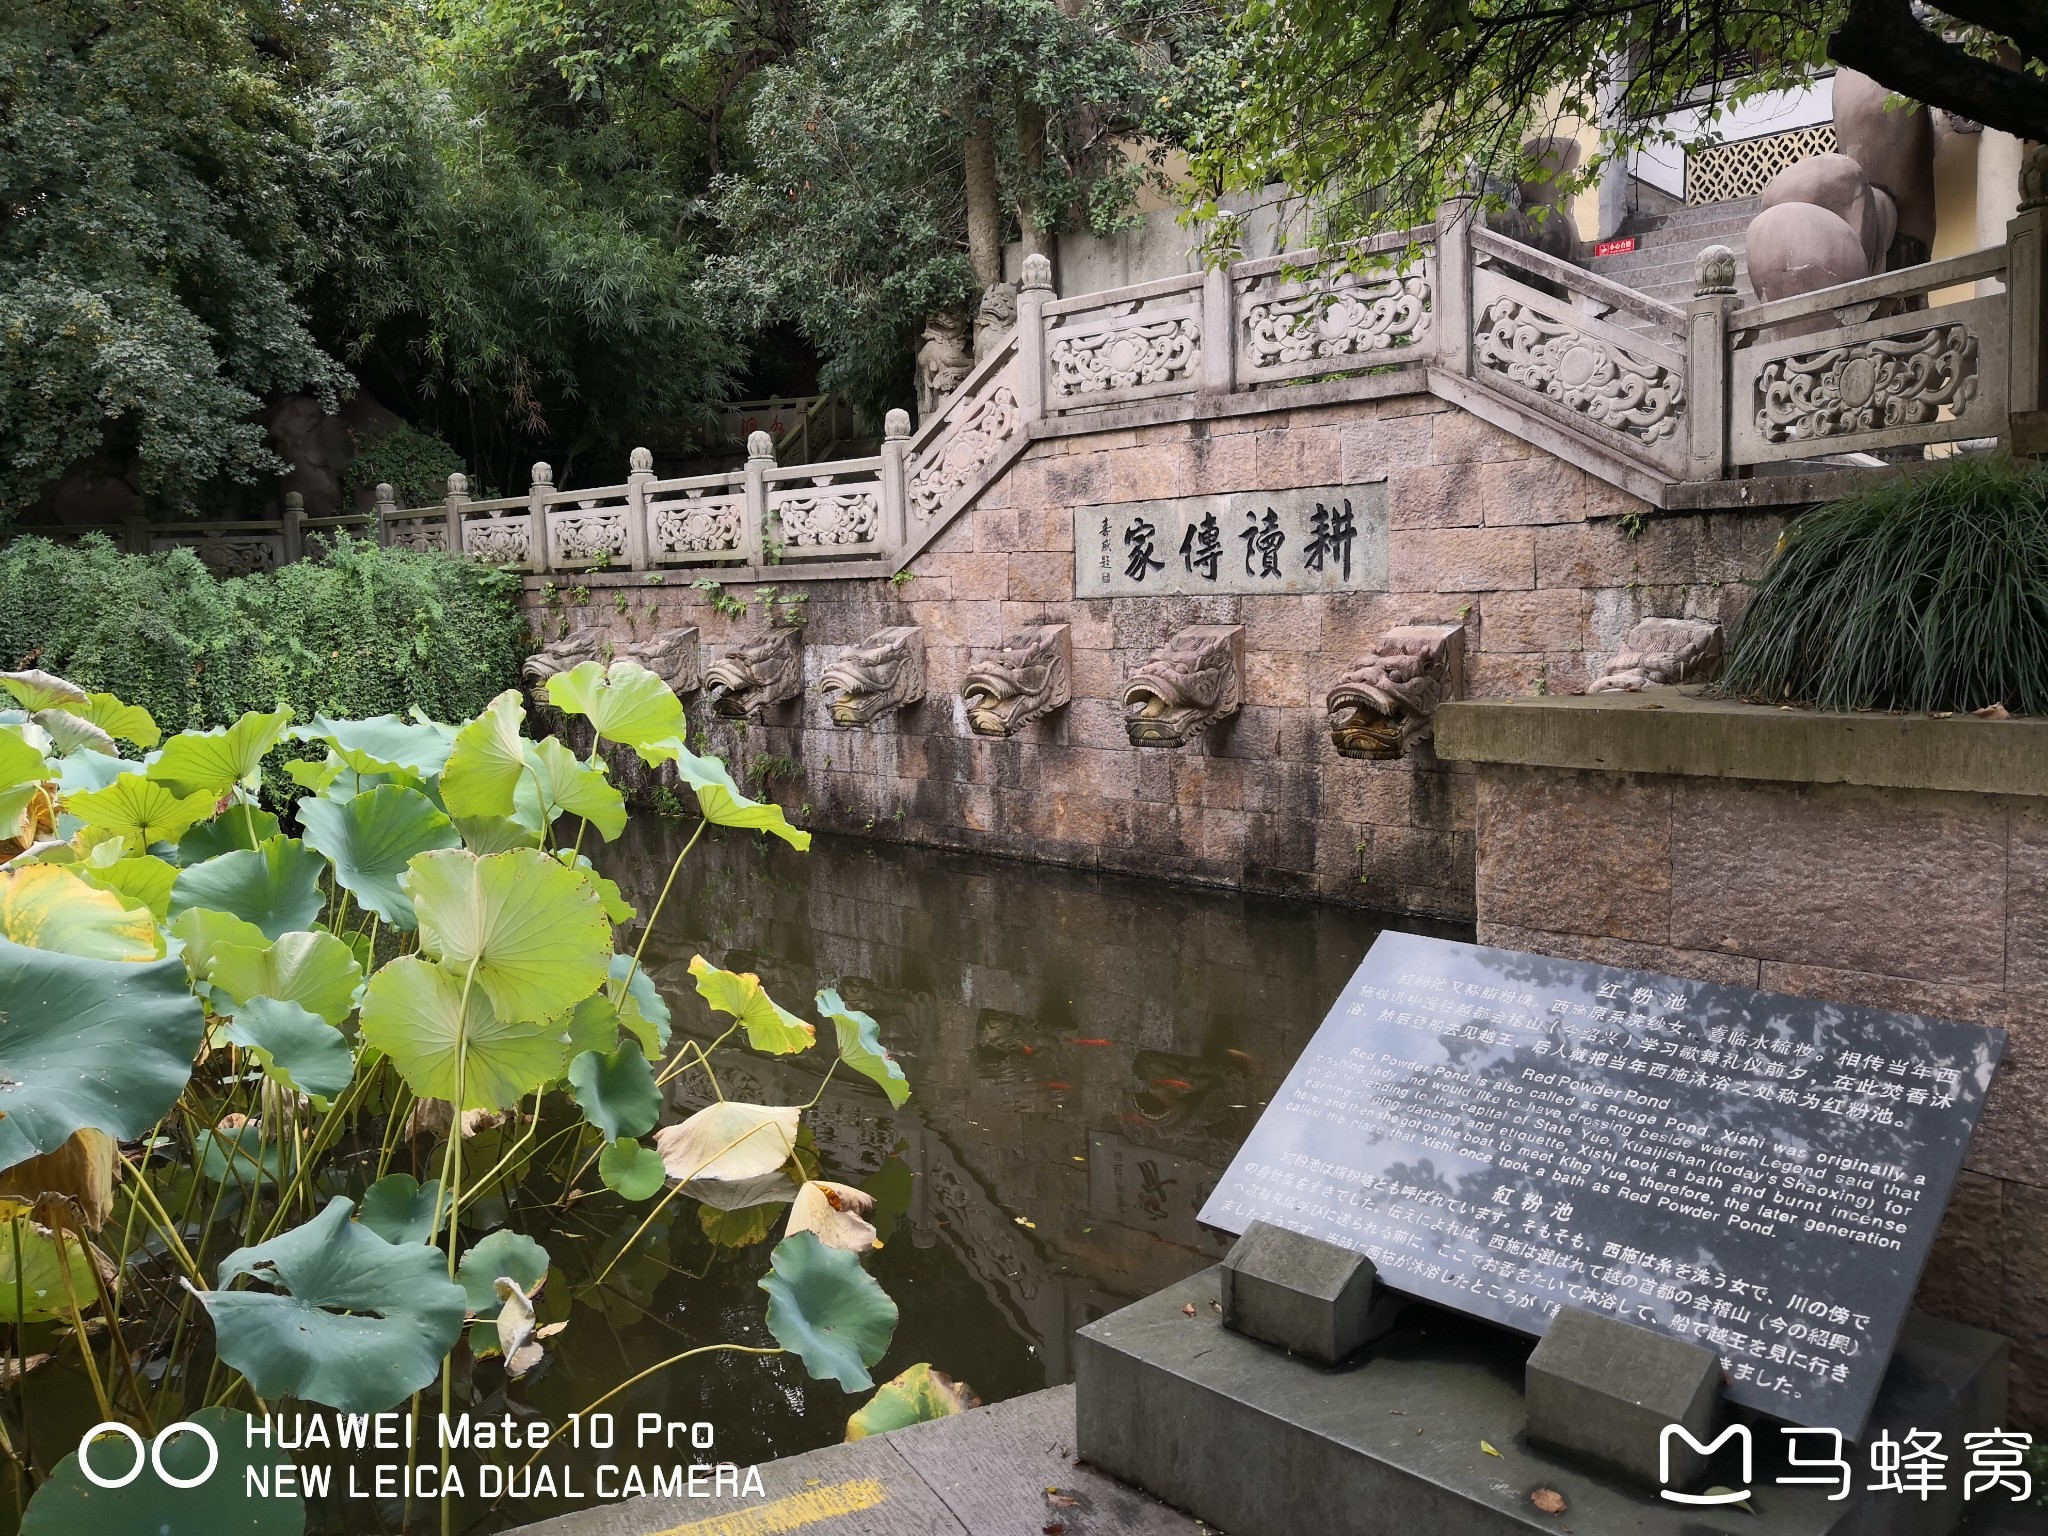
x=1508, y=1134
x=1329, y=539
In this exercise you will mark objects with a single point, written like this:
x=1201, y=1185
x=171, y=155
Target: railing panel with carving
x=498, y=532
x=587, y=528
x=1289, y=327
x=1125, y=345
x=226, y=549
x=952, y=454
x=837, y=514
x=1624, y=388
x=426, y=532
x=699, y=520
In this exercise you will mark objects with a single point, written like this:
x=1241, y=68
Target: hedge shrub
x=1929, y=592
x=356, y=630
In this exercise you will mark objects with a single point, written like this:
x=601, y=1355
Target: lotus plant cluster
x=221, y=1018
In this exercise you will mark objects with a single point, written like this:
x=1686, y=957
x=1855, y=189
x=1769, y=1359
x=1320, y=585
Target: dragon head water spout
x=1190, y=682
x=1387, y=703
x=882, y=673
x=752, y=676
x=1030, y=675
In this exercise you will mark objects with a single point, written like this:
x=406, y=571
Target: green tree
x=1376, y=110
x=153, y=161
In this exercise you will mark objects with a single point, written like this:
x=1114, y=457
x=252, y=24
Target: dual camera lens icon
x=151, y=1455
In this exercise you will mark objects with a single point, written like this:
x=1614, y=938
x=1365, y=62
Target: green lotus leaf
x=511, y=1254
x=495, y=834
x=719, y=798
x=69, y=1505
x=915, y=1396
x=625, y=702
x=316, y=970
x=316, y=776
x=101, y=1043
x=236, y=829
x=128, y=722
x=142, y=879
x=616, y=907
x=399, y=1208
x=860, y=1047
x=616, y=1091
x=535, y=930
x=770, y=1027
x=631, y=1170
x=824, y=1307
x=297, y=1048
x=219, y=760
x=275, y=886
x=383, y=744
x=140, y=810
x=558, y=783
x=35, y=690
x=21, y=760
x=412, y=1011
x=643, y=1010
x=204, y=934
x=740, y=1228
x=83, y=772
x=48, y=1258
x=370, y=838
x=46, y=906
x=593, y=1026
x=354, y=1323
x=240, y=1156
x=69, y=733
x=489, y=756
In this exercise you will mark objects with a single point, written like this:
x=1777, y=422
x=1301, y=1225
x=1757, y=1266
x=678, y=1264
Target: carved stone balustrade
x=1386, y=705
x=753, y=676
x=1662, y=653
x=884, y=672
x=1187, y=685
x=1031, y=675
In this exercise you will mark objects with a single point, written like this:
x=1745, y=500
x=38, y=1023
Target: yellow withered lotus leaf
x=727, y=1141
x=835, y=1212
x=46, y=906
x=78, y=1176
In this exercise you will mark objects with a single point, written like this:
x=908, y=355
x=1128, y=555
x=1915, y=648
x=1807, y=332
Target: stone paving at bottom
x=1005, y=1470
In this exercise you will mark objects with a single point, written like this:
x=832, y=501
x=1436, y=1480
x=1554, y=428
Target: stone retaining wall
x=1547, y=565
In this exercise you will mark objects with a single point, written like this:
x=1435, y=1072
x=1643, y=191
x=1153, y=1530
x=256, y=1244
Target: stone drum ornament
x=1031, y=675
x=1387, y=703
x=884, y=672
x=1192, y=681
x=749, y=678
x=1660, y=653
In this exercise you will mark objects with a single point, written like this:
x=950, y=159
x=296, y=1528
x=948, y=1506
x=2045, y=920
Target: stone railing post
x=456, y=499
x=639, y=537
x=136, y=532
x=2026, y=290
x=1219, y=332
x=384, y=507
x=538, y=537
x=760, y=459
x=1454, y=283
x=1706, y=363
x=1032, y=298
x=294, y=529
x=896, y=476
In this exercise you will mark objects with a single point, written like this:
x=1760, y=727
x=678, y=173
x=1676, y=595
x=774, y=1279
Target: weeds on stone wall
x=1929, y=593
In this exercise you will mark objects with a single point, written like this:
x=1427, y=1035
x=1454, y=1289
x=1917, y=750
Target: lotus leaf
x=625, y=702
x=222, y=759
x=35, y=690
x=719, y=798
x=504, y=1252
x=412, y=1011
x=239, y=827
x=383, y=744
x=742, y=1228
x=770, y=1027
x=860, y=1047
x=535, y=930
x=370, y=838
x=495, y=834
x=129, y=722
x=140, y=810
x=355, y=1323
x=643, y=1009
x=911, y=1397
x=616, y=1091
x=205, y=933
x=69, y=1505
x=101, y=1043
x=241, y=1155
x=276, y=886
x=83, y=772
x=300, y=1049
x=489, y=756
x=631, y=1170
x=49, y=907
x=727, y=1142
x=313, y=969
x=143, y=879
x=80, y=1173
x=836, y=1212
x=824, y=1307
x=47, y=1260
x=558, y=782
x=400, y=1209
x=69, y=733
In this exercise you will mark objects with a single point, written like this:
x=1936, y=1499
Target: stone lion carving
x=1030, y=675
x=1190, y=682
x=1387, y=703
x=996, y=318
x=884, y=672
x=1660, y=653
x=571, y=650
x=943, y=362
x=750, y=677
x=671, y=656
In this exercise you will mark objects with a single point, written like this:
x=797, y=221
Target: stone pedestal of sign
x=1259, y=1442
x=1303, y=1295
x=1600, y=1391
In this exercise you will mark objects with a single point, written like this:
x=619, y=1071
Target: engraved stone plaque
x=1507, y=1134
x=1331, y=539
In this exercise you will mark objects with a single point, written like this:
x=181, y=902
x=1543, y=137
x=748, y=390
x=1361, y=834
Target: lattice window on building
x=1730, y=171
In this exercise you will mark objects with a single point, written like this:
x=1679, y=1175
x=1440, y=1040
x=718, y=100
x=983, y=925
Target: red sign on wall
x=1620, y=247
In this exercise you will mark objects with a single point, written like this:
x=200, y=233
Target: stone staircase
x=1669, y=236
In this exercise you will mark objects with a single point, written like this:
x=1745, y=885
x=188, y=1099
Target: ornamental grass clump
x=1926, y=593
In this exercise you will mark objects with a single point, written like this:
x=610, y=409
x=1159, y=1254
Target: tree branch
x=2024, y=21
x=1881, y=38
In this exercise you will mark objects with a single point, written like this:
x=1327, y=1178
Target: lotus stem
x=655, y=916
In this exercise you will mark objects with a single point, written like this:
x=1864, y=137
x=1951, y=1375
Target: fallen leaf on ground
x=1549, y=1500
x=1060, y=1500
x=1992, y=712
x=1188, y=1310
x=1488, y=1449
